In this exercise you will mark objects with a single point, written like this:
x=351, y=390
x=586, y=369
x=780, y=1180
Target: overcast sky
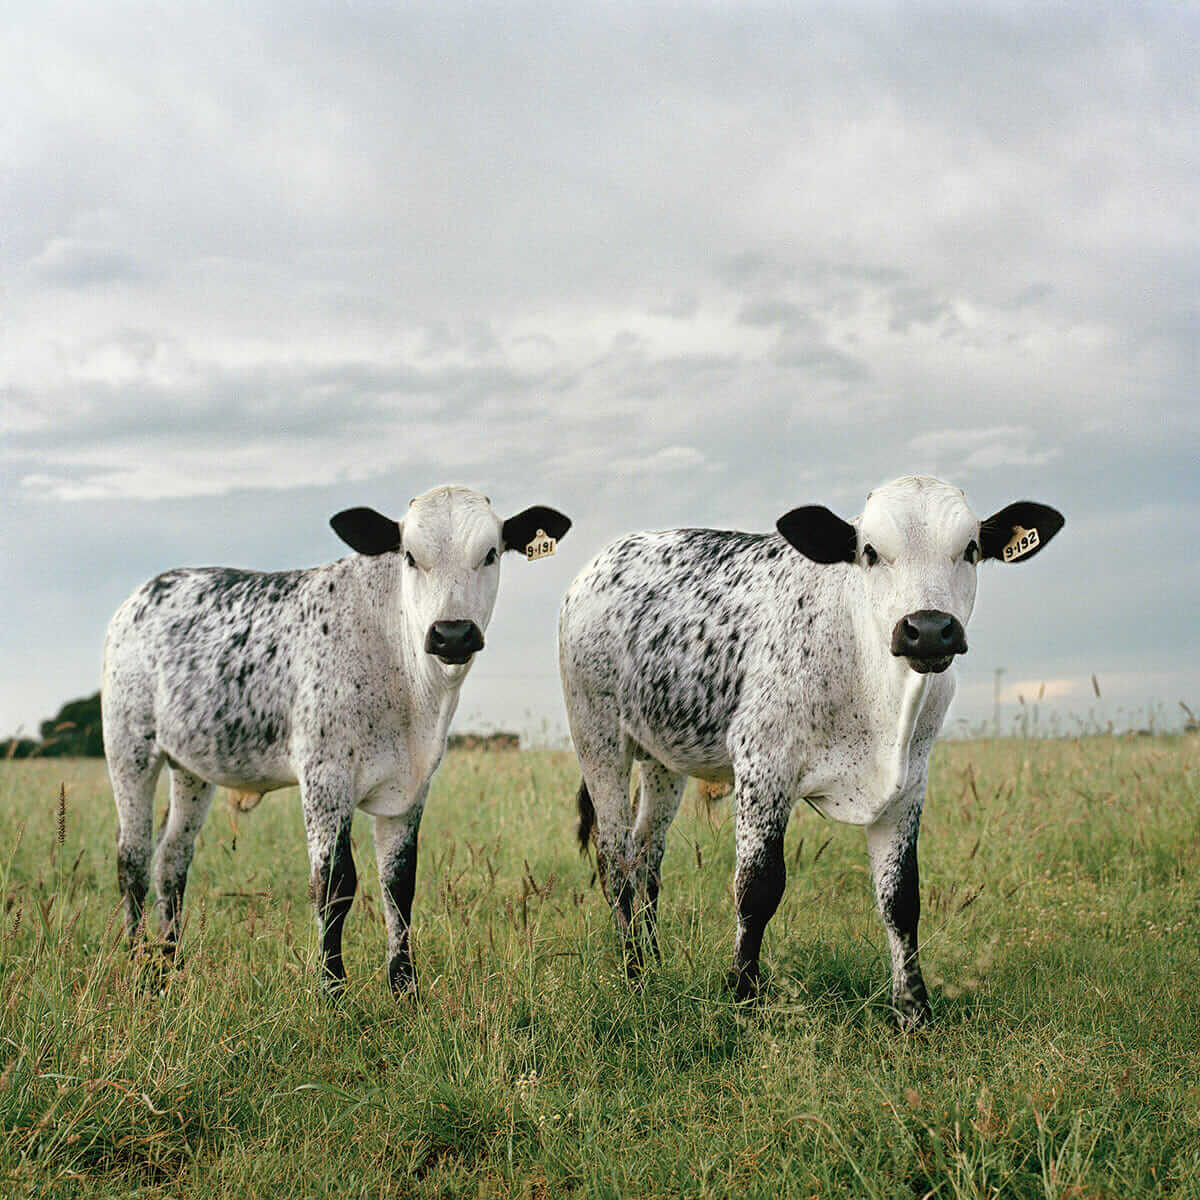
x=654, y=265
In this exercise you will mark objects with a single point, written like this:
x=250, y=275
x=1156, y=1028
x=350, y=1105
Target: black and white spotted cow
x=809, y=664
x=342, y=678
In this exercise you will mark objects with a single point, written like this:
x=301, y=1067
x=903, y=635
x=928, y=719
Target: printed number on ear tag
x=1023, y=541
x=542, y=546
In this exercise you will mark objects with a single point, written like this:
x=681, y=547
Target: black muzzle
x=929, y=639
x=453, y=641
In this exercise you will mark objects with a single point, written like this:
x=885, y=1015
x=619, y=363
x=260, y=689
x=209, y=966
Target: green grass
x=1061, y=939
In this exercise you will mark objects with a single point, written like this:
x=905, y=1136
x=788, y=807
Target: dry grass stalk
x=61, y=815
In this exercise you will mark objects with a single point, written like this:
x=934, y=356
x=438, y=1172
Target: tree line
x=73, y=732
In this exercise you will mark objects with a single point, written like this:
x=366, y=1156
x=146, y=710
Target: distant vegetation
x=74, y=732
x=485, y=741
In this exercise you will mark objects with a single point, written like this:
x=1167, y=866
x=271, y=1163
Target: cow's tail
x=587, y=816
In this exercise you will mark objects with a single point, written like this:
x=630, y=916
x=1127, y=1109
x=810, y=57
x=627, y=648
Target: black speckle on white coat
x=703, y=648
x=726, y=655
x=318, y=677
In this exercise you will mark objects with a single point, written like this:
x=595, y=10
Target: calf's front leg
x=759, y=826
x=892, y=845
x=328, y=811
x=396, y=856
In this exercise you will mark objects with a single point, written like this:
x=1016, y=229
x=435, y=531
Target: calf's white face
x=917, y=544
x=451, y=540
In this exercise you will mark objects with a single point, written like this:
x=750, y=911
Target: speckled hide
x=342, y=679
x=810, y=663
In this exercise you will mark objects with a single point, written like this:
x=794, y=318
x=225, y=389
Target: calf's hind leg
x=134, y=774
x=191, y=797
x=659, y=791
x=622, y=856
x=606, y=784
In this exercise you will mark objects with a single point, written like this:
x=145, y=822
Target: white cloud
x=963, y=452
x=989, y=458
x=666, y=460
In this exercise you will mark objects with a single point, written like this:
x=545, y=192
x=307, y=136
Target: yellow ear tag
x=542, y=546
x=1023, y=541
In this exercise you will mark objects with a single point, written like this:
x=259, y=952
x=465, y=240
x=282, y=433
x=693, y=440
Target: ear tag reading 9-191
x=1023, y=541
x=542, y=546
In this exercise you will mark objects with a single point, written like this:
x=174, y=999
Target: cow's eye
x=870, y=555
x=491, y=557
x=408, y=558
x=971, y=554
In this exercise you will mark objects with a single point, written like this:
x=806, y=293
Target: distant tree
x=19, y=747
x=484, y=741
x=75, y=731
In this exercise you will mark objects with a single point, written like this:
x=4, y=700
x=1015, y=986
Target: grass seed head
x=61, y=814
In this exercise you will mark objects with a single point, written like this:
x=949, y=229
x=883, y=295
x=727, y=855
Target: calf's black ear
x=365, y=530
x=819, y=534
x=520, y=530
x=1019, y=531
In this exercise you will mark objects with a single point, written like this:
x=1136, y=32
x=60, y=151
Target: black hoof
x=332, y=986
x=744, y=983
x=402, y=980
x=152, y=969
x=173, y=962
x=911, y=1014
x=633, y=959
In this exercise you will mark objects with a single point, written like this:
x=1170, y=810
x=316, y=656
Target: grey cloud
x=773, y=311
x=1035, y=293
x=681, y=307
x=539, y=341
x=755, y=270
x=226, y=403
x=474, y=337
x=826, y=361
x=72, y=262
x=860, y=273
x=919, y=306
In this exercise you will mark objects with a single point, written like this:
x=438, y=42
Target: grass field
x=1061, y=939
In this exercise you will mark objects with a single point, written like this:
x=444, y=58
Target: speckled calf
x=342, y=678
x=808, y=664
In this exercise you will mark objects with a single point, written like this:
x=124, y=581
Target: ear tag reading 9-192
x=1023, y=541
x=542, y=546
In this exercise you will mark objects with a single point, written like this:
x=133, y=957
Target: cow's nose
x=453, y=641
x=929, y=636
